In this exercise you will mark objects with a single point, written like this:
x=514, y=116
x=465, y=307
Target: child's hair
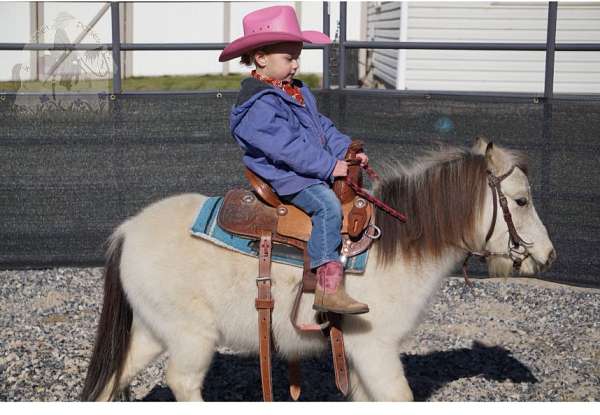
x=247, y=58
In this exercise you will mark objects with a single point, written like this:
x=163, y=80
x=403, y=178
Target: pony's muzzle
x=551, y=258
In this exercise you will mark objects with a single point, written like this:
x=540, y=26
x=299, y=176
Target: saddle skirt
x=206, y=226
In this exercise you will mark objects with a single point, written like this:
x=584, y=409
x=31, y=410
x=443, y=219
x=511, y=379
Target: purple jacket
x=289, y=145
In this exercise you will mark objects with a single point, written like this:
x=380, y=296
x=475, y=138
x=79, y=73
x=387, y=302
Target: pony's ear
x=494, y=159
x=479, y=145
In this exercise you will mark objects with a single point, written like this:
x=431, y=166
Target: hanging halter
x=517, y=246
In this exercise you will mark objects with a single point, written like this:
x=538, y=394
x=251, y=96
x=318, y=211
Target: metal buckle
x=377, y=231
x=260, y=279
x=343, y=260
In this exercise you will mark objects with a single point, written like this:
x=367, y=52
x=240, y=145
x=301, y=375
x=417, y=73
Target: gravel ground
x=502, y=340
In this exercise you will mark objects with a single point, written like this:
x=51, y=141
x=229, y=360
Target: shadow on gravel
x=428, y=373
x=236, y=378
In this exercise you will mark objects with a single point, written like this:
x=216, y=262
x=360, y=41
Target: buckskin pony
x=168, y=292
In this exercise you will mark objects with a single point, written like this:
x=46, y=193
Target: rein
x=517, y=246
x=363, y=193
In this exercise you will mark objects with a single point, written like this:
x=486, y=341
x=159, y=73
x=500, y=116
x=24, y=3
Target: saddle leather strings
x=363, y=193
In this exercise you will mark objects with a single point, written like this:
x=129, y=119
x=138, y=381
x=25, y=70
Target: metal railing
x=550, y=47
x=116, y=46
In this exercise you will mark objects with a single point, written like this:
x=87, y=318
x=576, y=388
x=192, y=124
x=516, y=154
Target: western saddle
x=260, y=215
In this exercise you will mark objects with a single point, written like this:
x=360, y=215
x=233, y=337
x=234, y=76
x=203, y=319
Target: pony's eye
x=522, y=201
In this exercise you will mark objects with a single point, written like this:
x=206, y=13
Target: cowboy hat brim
x=256, y=40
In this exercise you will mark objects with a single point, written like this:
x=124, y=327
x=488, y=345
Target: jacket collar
x=251, y=86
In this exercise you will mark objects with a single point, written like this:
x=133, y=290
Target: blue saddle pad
x=205, y=226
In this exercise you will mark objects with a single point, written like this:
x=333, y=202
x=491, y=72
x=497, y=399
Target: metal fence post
x=342, y=48
x=547, y=104
x=550, y=51
x=116, y=47
x=326, y=48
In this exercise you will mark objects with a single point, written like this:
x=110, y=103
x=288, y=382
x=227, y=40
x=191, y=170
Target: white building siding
x=476, y=70
x=383, y=24
x=575, y=72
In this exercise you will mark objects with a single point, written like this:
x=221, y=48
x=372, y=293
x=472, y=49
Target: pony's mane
x=442, y=194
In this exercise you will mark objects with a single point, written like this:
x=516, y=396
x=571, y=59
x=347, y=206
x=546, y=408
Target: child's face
x=280, y=62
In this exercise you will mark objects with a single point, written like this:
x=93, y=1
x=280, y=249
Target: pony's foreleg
x=381, y=374
x=358, y=392
x=143, y=349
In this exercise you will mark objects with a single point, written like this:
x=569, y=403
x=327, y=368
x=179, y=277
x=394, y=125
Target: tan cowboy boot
x=330, y=294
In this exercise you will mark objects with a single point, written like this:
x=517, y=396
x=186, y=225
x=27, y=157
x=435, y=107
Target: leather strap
x=264, y=305
x=339, y=358
x=262, y=188
x=331, y=323
x=351, y=248
x=514, y=235
x=494, y=214
x=364, y=194
x=340, y=186
x=307, y=285
x=294, y=379
x=309, y=278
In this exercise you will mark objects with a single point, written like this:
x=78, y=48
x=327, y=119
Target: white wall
x=14, y=27
x=175, y=23
x=197, y=22
x=200, y=22
x=501, y=70
x=67, y=18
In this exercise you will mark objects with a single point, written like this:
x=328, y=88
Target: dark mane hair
x=441, y=194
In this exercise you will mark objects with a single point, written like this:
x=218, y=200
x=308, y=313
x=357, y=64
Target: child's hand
x=340, y=169
x=364, y=160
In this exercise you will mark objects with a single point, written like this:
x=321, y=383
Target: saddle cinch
x=260, y=215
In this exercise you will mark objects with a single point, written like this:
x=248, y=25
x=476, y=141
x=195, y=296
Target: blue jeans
x=320, y=202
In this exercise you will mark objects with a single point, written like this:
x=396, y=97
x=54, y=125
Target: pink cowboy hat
x=271, y=25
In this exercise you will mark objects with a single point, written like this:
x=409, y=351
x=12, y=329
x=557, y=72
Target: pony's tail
x=114, y=330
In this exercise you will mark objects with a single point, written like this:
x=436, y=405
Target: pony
x=166, y=291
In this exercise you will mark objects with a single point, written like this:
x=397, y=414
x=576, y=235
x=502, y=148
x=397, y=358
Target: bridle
x=517, y=247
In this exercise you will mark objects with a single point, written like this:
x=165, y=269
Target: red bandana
x=285, y=85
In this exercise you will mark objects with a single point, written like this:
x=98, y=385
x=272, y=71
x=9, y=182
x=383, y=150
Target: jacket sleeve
x=266, y=127
x=337, y=142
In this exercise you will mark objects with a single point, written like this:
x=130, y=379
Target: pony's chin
x=503, y=267
x=529, y=267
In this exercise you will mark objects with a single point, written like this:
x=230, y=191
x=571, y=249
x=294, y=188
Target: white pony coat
x=211, y=297
x=189, y=296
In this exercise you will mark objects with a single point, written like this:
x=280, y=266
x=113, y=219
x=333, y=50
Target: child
x=289, y=144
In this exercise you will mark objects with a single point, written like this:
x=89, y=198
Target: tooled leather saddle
x=259, y=214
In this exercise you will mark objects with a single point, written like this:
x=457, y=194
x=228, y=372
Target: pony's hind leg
x=143, y=350
x=144, y=347
x=190, y=356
